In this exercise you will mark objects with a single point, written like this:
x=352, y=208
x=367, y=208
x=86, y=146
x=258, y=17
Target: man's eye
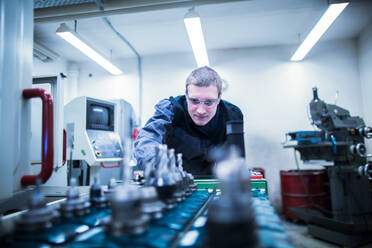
x=208, y=102
x=195, y=101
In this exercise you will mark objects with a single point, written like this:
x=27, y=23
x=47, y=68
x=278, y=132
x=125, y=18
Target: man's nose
x=201, y=109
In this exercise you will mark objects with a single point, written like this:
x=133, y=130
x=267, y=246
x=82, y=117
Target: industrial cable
x=139, y=59
x=310, y=119
x=139, y=66
x=69, y=168
x=334, y=142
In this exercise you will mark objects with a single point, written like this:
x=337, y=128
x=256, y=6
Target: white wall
x=272, y=92
x=164, y=76
x=97, y=83
x=53, y=68
x=40, y=68
x=365, y=70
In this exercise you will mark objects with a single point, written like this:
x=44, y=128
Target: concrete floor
x=301, y=239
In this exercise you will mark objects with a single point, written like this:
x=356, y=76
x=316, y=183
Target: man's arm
x=151, y=135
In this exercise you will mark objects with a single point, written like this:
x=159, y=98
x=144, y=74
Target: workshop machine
x=340, y=145
x=168, y=211
x=92, y=138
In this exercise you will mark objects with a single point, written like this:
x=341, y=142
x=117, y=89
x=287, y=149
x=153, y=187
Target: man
x=192, y=124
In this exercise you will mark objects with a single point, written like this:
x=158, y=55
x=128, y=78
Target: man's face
x=202, y=103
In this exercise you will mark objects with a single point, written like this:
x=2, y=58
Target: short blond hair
x=203, y=77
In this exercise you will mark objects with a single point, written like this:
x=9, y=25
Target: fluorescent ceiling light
x=195, y=32
x=323, y=24
x=73, y=38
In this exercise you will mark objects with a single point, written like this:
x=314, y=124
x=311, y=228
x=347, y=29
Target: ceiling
x=156, y=27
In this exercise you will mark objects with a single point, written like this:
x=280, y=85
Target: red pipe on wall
x=64, y=147
x=47, y=143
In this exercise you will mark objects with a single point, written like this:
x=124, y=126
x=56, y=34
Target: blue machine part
x=88, y=230
x=61, y=234
x=270, y=231
x=270, y=239
x=307, y=137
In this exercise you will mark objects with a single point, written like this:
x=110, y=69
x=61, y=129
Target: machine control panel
x=105, y=144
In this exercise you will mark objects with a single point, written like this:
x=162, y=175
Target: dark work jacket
x=195, y=142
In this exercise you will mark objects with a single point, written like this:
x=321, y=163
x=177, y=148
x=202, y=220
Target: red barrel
x=309, y=192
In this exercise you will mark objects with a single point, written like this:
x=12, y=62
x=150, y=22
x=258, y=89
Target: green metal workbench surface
x=259, y=186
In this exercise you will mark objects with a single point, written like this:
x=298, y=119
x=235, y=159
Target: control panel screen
x=100, y=116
